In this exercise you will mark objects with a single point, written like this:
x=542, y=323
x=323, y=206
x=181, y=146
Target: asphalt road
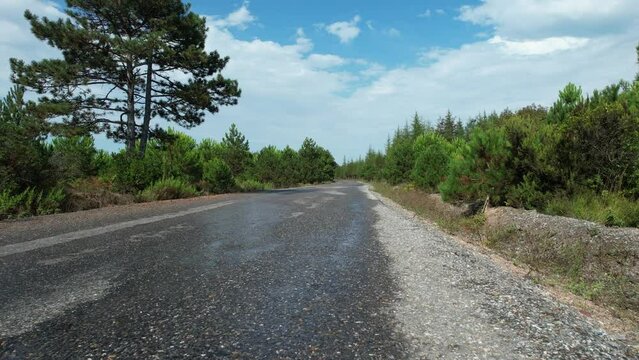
x=300, y=273
x=290, y=273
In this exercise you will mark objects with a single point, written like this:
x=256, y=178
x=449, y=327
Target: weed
x=168, y=189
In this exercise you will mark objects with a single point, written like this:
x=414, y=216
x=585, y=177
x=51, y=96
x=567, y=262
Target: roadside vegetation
x=116, y=76
x=577, y=159
x=42, y=173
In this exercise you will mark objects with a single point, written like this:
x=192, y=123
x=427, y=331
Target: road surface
x=330, y=271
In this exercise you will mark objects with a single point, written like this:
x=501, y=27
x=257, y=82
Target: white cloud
x=440, y=12
x=16, y=40
x=546, y=18
x=369, y=25
x=239, y=18
x=346, y=31
x=539, y=47
x=425, y=14
x=325, y=61
x=392, y=32
x=291, y=91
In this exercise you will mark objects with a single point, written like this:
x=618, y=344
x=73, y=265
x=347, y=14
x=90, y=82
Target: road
x=329, y=271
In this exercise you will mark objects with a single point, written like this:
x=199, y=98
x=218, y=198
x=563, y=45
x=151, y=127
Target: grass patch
x=250, y=185
x=432, y=208
x=31, y=202
x=610, y=209
x=168, y=189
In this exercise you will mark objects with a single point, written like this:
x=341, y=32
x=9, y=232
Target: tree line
x=124, y=65
x=580, y=157
x=41, y=173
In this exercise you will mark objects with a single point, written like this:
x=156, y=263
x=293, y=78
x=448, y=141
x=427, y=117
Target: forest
x=125, y=68
x=577, y=158
x=42, y=173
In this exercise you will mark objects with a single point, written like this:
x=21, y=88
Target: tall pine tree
x=124, y=63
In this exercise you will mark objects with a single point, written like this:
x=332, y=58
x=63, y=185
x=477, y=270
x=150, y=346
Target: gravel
x=454, y=303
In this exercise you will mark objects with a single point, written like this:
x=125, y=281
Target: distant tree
x=217, y=176
x=209, y=149
x=569, y=98
x=400, y=160
x=449, y=128
x=290, y=171
x=24, y=155
x=417, y=126
x=268, y=165
x=236, y=151
x=432, y=156
x=316, y=163
x=373, y=166
x=118, y=65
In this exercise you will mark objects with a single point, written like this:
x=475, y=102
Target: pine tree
x=417, y=126
x=237, y=153
x=117, y=68
x=448, y=128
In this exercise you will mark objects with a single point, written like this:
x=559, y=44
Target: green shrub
x=217, y=176
x=250, y=185
x=479, y=168
x=73, y=157
x=179, y=155
x=527, y=195
x=168, y=189
x=610, y=209
x=131, y=174
x=31, y=202
x=268, y=165
x=10, y=204
x=51, y=202
x=432, y=156
x=399, y=160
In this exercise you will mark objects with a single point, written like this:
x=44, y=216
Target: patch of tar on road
x=159, y=235
x=66, y=258
x=334, y=192
x=24, y=314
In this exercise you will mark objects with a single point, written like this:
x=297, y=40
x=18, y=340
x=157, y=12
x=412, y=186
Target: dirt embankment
x=591, y=266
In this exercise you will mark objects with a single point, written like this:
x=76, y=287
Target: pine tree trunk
x=144, y=138
x=130, y=126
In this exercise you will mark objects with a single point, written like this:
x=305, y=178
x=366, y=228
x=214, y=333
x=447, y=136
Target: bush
x=179, y=155
x=250, y=185
x=131, y=174
x=399, y=161
x=31, y=202
x=73, y=157
x=217, y=176
x=432, y=156
x=610, y=209
x=480, y=168
x=168, y=189
x=526, y=195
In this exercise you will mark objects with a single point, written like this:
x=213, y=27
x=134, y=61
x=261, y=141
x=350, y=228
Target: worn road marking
x=64, y=238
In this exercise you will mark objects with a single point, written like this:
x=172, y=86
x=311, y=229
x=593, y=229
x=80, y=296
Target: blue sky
x=349, y=72
x=390, y=34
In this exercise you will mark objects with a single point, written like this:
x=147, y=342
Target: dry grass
x=598, y=264
x=431, y=206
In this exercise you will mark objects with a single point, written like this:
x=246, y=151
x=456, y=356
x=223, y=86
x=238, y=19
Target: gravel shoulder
x=455, y=303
